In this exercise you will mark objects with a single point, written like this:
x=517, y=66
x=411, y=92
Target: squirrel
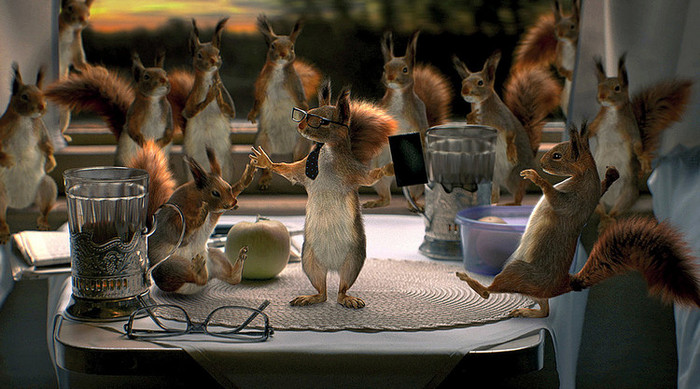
x=209, y=108
x=347, y=135
x=284, y=82
x=133, y=113
x=201, y=201
x=539, y=267
x=552, y=41
x=628, y=130
x=72, y=19
x=530, y=95
x=417, y=96
x=26, y=154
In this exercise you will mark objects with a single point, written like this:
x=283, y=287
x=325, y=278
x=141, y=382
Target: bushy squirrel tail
x=532, y=94
x=370, y=128
x=657, y=107
x=434, y=89
x=95, y=89
x=181, y=83
x=538, y=46
x=161, y=183
x=310, y=78
x=655, y=249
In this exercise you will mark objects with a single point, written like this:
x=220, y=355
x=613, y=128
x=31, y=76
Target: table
x=88, y=354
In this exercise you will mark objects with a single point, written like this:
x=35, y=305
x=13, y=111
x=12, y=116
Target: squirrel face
x=206, y=57
x=566, y=26
x=334, y=129
x=150, y=82
x=569, y=158
x=280, y=47
x=75, y=12
x=216, y=193
x=478, y=86
x=398, y=71
x=27, y=100
x=612, y=91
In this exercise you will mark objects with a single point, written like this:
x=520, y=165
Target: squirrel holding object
x=552, y=41
x=530, y=95
x=417, y=96
x=202, y=201
x=135, y=112
x=72, y=19
x=26, y=154
x=539, y=267
x=347, y=135
x=284, y=82
x=209, y=108
x=628, y=131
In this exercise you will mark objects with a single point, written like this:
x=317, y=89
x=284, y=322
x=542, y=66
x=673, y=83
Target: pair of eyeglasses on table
x=231, y=322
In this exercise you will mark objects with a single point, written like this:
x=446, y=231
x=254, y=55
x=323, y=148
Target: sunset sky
x=112, y=15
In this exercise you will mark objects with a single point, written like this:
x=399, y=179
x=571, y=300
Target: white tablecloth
x=353, y=359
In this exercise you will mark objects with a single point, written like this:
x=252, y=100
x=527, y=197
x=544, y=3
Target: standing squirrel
x=72, y=19
x=417, y=96
x=284, y=82
x=539, y=267
x=134, y=113
x=201, y=201
x=347, y=135
x=26, y=154
x=628, y=130
x=530, y=95
x=552, y=41
x=209, y=108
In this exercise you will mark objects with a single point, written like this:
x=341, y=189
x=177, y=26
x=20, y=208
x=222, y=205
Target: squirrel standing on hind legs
x=417, y=96
x=628, y=131
x=347, y=135
x=539, y=267
x=530, y=95
x=26, y=154
x=209, y=108
x=284, y=82
x=201, y=201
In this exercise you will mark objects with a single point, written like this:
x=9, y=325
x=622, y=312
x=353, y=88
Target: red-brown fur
x=181, y=83
x=538, y=46
x=310, y=77
x=161, y=183
x=531, y=94
x=370, y=128
x=435, y=90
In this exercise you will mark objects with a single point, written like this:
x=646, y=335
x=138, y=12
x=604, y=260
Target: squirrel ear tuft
x=160, y=58
x=194, y=38
x=387, y=46
x=17, y=79
x=599, y=69
x=461, y=68
x=411, y=48
x=622, y=70
x=213, y=162
x=491, y=65
x=200, y=176
x=40, y=77
x=324, y=94
x=218, y=31
x=574, y=140
x=89, y=3
x=296, y=30
x=137, y=67
x=265, y=28
x=343, y=106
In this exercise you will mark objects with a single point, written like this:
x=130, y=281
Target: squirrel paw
x=199, y=269
x=252, y=116
x=474, y=284
x=350, y=301
x=67, y=138
x=308, y=300
x=380, y=202
x=42, y=223
x=529, y=174
x=528, y=312
x=50, y=164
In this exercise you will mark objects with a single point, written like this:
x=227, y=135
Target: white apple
x=268, y=247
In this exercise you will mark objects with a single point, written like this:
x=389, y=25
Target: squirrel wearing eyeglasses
x=284, y=82
x=202, y=201
x=347, y=135
x=539, y=267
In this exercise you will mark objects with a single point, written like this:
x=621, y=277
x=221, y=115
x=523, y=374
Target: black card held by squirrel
x=407, y=155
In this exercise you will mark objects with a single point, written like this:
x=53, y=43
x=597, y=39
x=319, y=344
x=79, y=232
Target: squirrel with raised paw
x=188, y=267
x=72, y=20
x=627, y=132
x=539, y=267
x=552, y=41
x=26, y=154
x=347, y=136
x=530, y=95
x=284, y=82
x=134, y=111
x=417, y=96
x=209, y=108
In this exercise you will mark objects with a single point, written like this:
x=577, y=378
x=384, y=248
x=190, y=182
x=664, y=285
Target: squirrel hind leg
x=317, y=276
x=543, y=311
x=474, y=284
x=383, y=189
x=180, y=275
x=220, y=267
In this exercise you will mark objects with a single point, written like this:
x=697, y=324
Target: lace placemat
x=400, y=295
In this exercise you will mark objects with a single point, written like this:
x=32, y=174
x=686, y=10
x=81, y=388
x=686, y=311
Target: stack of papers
x=43, y=248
